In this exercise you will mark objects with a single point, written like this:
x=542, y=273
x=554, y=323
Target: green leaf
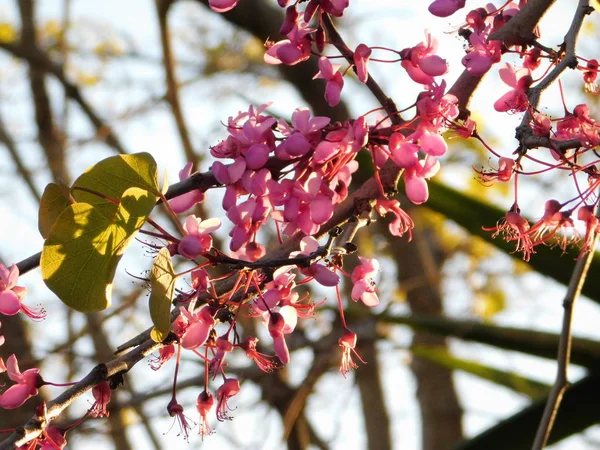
x=112, y=176
x=85, y=244
x=518, y=383
x=578, y=411
x=473, y=214
x=585, y=352
x=53, y=202
x=162, y=283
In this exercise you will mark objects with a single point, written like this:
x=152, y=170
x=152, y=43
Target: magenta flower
x=10, y=294
x=515, y=228
x=176, y=410
x=164, y=354
x=421, y=63
x=198, y=240
x=414, y=179
x=515, y=100
x=204, y=404
x=484, y=53
x=503, y=173
x=402, y=223
x=445, y=8
x=294, y=49
x=361, y=58
x=182, y=203
x=320, y=272
x=222, y=6
x=194, y=328
x=54, y=439
x=280, y=323
x=27, y=385
x=102, y=395
x=348, y=344
x=403, y=152
x=364, y=286
x=592, y=226
x=335, y=80
x=223, y=347
x=262, y=360
x=228, y=389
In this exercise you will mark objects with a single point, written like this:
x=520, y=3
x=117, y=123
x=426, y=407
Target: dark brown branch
x=564, y=349
x=10, y=145
x=519, y=29
x=162, y=10
x=102, y=372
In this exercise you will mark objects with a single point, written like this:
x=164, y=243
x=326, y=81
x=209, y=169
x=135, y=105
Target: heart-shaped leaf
x=162, y=283
x=112, y=176
x=85, y=244
x=53, y=202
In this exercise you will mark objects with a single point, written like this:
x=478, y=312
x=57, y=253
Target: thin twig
x=564, y=348
x=162, y=10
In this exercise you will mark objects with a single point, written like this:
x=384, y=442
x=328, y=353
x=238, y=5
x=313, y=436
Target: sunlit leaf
x=162, y=283
x=53, y=202
x=112, y=176
x=85, y=244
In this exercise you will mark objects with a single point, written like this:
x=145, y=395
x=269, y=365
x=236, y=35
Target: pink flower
x=293, y=50
x=590, y=75
x=361, y=58
x=10, y=294
x=102, y=394
x=364, y=286
x=348, y=344
x=515, y=100
x=414, y=179
x=484, y=53
x=402, y=223
x=551, y=222
x=445, y=8
x=54, y=439
x=335, y=81
x=164, y=354
x=204, y=404
x=421, y=62
x=223, y=347
x=176, y=410
x=503, y=174
x=404, y=153
x=228, y=389
x=184, y=202
x=195, y=327
x=198, y=240
x=322, y=274
x=592, y=225
x=262, y=360
x=27, y=385
x=514, y=228
x=222, y=6
x=280, y=323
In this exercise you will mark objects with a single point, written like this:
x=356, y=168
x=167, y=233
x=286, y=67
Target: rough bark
x=418, y=270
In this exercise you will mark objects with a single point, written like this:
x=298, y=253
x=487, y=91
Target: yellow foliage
x=87, y=79
x=51, y=29
x=109, y=48
x=489, y=303
x=8, y=33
